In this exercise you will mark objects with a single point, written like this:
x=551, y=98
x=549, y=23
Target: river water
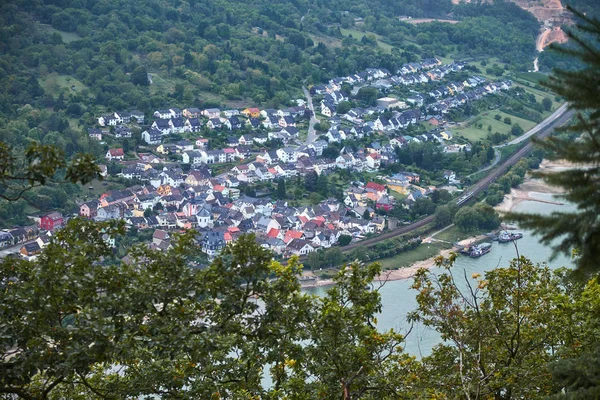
x=398, y=299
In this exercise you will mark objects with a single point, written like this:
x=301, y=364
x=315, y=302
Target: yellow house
x=398, y=183
x=379, y=223
x=251, y=112
x=445, y=135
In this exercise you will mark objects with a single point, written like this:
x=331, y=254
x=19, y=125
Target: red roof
x=227, y=236
x=318, y=222
x=116, y=152
x=233, y=229
x=273, y=233
x=228, y=150
x=376, y=186
x=218, y=188
x=290, y=235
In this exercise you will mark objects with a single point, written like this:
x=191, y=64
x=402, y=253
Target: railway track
x=473, y=190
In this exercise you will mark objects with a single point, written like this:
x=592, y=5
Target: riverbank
x=400, y=273
x=527, y=191
x=531, y=187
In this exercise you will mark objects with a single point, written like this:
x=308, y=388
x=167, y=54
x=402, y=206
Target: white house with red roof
x=115, y=154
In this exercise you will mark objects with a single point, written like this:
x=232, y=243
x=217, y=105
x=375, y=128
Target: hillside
x=214, y=51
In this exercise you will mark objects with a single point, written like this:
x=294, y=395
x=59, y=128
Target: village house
x=115, y=154
x=52, y=221
x=89, y=209
x=192, y=112
x=95, y=133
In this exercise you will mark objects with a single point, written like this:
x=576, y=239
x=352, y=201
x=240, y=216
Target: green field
x=53, y=84
x=356, y=34
x=67, y=37
x=94, y=189
x=470, y=131
x=453, y=234
x=539, y=96
x=408, y=258
x=533, y=77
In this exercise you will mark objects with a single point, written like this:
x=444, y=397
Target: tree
x=39, y=165
x=366, y=215
x=499, y=331
x=577, y=232
x=344, y=240
x=480, y=216
x=507, y=120
x=547, y=104
x=310, y=181
x=368, y=95
x=139, y=76
x=467, y=219
x=580, y=230
x=343, y=107
x=281, y=191
x=346, y=352
x=443, y=216
x=516, y=130
x=76, y=313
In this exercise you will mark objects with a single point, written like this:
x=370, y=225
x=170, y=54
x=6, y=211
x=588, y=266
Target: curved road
x=559, y=118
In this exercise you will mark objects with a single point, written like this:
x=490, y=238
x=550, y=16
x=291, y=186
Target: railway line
x=474, y=190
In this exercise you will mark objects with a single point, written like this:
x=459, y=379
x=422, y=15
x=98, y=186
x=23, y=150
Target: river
x=398, y=299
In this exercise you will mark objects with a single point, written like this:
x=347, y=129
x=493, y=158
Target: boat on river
x=506, y=237
x=480, y=249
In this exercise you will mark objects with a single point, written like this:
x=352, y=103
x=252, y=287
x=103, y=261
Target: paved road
x=312, y=134
x=13, y=249
x=542, y=125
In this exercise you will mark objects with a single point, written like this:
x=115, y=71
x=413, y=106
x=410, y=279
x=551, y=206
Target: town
x=201, y=168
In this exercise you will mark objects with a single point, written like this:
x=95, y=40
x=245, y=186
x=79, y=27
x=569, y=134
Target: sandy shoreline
x=525, y=192
x=401, y=273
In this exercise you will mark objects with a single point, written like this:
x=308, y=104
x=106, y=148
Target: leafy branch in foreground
x=580, y=229
x=39, y=165
x=499, y=331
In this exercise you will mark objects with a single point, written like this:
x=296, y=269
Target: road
x=542, y=125
x=556, y=114
x=556, y=119
x=14, y=249
x=312, y=134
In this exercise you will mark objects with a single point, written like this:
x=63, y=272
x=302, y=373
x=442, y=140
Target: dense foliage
x=261, y=52
x=78, y=323
x=578, y=230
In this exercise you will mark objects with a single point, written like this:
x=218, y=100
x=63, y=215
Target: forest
x=208, y=52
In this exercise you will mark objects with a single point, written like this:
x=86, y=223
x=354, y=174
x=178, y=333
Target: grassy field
x=94, y=189
x=356, y=34
x=539, y=96
x=67, y=37
x=470, y=131
x=453, y=234
x=408, y=258
x=54, y=84
x=533, y=77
